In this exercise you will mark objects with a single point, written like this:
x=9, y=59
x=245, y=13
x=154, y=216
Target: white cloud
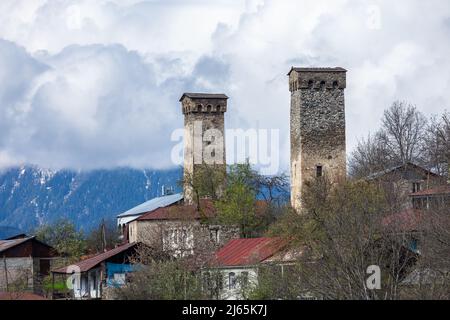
x=96, y=83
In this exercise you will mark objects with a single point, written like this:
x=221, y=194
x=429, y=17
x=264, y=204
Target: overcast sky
x=95, y=83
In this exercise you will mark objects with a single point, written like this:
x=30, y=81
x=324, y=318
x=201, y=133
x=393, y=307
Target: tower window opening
x=322, y=84
x=319, y=171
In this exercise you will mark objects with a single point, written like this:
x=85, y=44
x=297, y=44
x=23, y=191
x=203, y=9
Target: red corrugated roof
x=407, y=220
x=441, y=190
x=20, y=296
x=242, y=252
x=88, y=264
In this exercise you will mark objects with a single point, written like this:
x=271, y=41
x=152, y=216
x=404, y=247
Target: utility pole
x=103, y=235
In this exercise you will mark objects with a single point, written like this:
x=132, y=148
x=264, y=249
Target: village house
x=431, y=199
x=97, y=276
x=25, y=261
x=124, y=219
x=182, y=229
x=239, y=261
x=402, y=180
x=413, y=219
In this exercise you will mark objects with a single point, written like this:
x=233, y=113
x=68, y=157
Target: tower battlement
x=203, y=103
x=317, y=78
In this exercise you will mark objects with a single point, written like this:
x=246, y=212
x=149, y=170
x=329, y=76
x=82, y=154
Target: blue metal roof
x=7, y=232
x=153, y=204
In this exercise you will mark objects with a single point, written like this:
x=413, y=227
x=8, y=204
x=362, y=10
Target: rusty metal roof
x=180, y=211
x=440, y=190
x=244, y=252
x=90, y=263
x=183, y=211
x=8, y=244
x=404, y=166
x=204, y=96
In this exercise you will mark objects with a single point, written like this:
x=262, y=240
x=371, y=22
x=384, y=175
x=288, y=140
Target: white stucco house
x=238, y=263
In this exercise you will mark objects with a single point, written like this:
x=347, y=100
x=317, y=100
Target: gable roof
x=381, y=173
x=440, y=190
x=182, y=211
x=8, y=232
x=244, y=252
x=152, y=204
x=8, y=244
x=204, y=95
x=185, y=211
x=90, y=263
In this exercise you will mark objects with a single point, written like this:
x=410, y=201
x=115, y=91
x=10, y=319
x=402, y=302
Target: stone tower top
x=203, y=103
x=317, y=78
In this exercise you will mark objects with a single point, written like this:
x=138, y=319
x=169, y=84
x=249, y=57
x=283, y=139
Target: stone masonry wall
x=317, y=126
x=211, y=114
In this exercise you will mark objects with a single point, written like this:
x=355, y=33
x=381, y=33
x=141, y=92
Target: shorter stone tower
x=317, y=126
x=204, y=136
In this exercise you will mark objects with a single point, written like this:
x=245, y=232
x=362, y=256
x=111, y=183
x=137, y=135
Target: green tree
x=238, y=204
x=243, y=197
x=160, y=276
x=104, y=237
x=64, y=237
x=341, y=227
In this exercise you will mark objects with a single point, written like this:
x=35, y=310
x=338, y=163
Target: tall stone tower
x=317, y=126
x=204, y=135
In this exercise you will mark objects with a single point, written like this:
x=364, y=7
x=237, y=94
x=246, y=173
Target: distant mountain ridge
x=31, y=196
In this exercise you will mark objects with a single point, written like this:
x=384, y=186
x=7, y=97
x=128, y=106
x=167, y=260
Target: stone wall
x=210, y=114
x=16, y=273
x=317, y=126
x=203, y=238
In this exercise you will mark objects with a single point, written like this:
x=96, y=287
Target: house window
x=319, y=171
x=178, y=239
x=231, y=280
x=416, y=187
x=214, y=235
x=244, y=278
x=414, y=245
